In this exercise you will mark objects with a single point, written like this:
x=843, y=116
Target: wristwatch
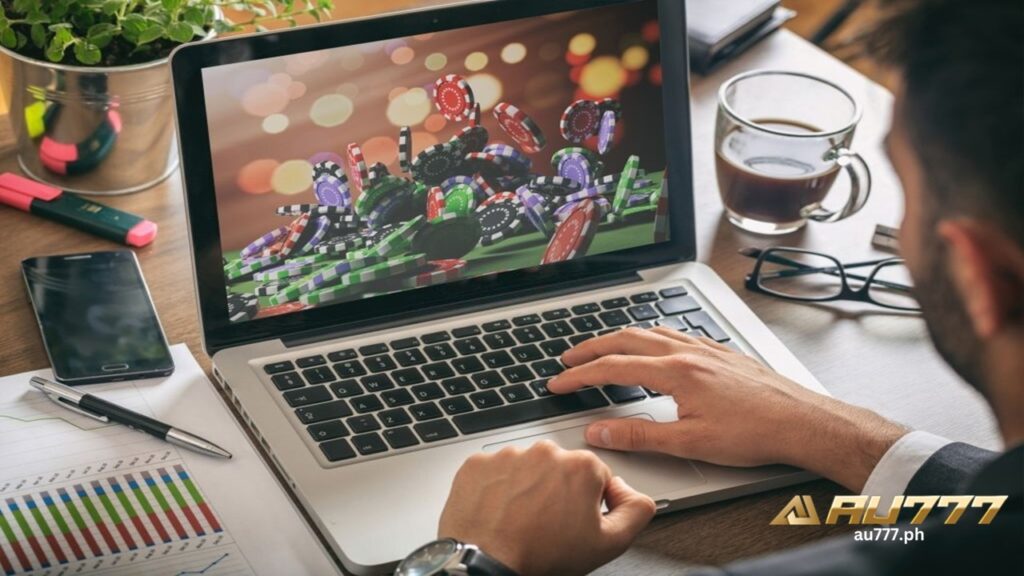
x=450, y=557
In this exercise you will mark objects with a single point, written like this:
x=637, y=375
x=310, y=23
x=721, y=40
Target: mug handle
x=860, y=187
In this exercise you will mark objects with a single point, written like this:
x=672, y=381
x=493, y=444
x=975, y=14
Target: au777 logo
x=858, y=510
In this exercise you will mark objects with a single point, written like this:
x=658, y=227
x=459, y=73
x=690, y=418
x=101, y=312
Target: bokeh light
x=296, y=90
x=487, y=89
x=424, y=37
x=403, y=55
x=352, y=60
x=476, y=61
x=396, y=92
x=435, y=123
x=513, y=53
x=391, y=45
x=380, y=149
x=245, y=79
x=275, y=123
x=435, y=62
x=254, y=177
x=421, y=141
x=331, y=110
x=298, y=64
x=264, y=99
x=280, y=79
x=582, y=44
x=635, y=58
x=602, y=77
x=349, y=89
x=409, y=109
x=651, y=32
x=654, y=74
x=292, y=177
x=327, y=157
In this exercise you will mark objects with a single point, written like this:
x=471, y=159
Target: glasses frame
x=846, y=292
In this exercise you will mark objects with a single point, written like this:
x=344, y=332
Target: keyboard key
x=304, y=396
x=678, y=305
x=278, y=367
x=349, y=369
x=516, y=393
x=547, y=368
x=556, y=314
x=499, y=340
x=336, y=450
x=368, y=444
x=528, y=334
x=367, y=403
x=287, y=381
x=382, y=363
x=377, y=383
x=346, y=388
x=318, y=375
x=373, y=349
x=327, y=430
x=643, y=297
x=325, y=411
x=642, y=312
x=703, y=321
x=642, y=325
x=489, y=379
x=526, y=320
x=613, y=303
x=620, y=394
x=574, y=340
x=608, y=331
x=540, y=387
x=466, y=331
x=425, y=411
x=456, y=386
x=673, y=322
x=394, y=417
x=497, y=325
x=400, y=437
x=435, y=337
x=442, y=351
x=673, y=291
x=588, y=323
x=697, y=333
x=557, y=329
x=486, y=399
x=467, y=365
x=403, y=343
x=529, y=411
x=407, y=377
x=469, y=346
x=554, y=348
x=364, y=423
x=456, y=405
x=517, y=373
x=497, y=359
x=310, y=361
x=527, y=353
x=588, y=308
x=399, y=397
x=434, y=431
x=411, y=357
x=613, y=318
x=438, y=371
x=428, y=391
x=342, y=355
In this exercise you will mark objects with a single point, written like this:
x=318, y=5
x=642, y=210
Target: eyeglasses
x=806, y=276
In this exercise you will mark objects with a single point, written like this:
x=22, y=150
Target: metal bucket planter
x=95, y=130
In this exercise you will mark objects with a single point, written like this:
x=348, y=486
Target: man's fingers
x=632, y=435
x=631, y=341
x=628, y=512
x=612, y=369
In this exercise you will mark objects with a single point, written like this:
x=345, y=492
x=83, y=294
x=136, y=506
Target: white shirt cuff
x=899, y=464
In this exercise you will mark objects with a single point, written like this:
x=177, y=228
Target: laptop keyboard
x=412, y=392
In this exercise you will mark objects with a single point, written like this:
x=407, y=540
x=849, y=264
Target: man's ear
x=987, y=267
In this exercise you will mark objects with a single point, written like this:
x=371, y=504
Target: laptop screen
x=364, y=170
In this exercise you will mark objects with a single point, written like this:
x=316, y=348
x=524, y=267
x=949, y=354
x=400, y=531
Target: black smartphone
x=96, y=316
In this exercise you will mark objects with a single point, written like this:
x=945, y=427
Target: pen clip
x=66, y=397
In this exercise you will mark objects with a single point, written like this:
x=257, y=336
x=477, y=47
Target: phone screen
x=97, y=320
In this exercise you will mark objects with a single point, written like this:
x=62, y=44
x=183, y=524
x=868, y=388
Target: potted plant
x=87, y=84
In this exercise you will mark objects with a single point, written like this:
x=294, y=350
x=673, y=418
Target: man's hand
x=732, y=409
x=538, y=511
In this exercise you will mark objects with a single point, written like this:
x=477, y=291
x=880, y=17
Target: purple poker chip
x=470, y=181
x=519, y=163
x=637, y=199
x=606, y=132
x=563, y=211
x=536, y=210
x=257, y=245
x=323, y=225
x=576, y=167
x=328, y=190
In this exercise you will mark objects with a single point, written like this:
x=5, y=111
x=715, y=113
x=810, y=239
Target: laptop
x=398, y=224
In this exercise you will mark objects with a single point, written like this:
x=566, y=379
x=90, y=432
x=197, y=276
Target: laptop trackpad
x=653, y=474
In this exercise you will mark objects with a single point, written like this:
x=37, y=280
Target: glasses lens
x=800, y=275
x=891, y=286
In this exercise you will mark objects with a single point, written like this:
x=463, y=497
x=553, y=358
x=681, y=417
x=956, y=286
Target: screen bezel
x=138, y=368
x=188, y=61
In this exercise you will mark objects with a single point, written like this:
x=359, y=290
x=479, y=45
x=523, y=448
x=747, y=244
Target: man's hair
x=962, y=64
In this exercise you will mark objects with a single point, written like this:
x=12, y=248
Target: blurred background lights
x=602, y=77
x=513, y=53
x=403, y=55
x=421, y=141
x=487, y=89
x=331, y=110
x=254, y=177
x=351, y=60
x=381, y=149
x=476, y=61
x=410, y=108
x=292, y=177
x=281, y=79
x=391, y=45
x=582, y=44
x=349, y=89
x=275, y=123
x=265, y=99
x=434, y=123
x=435, y=61
x=396, y=92
x=635, y=58
x=296, y=90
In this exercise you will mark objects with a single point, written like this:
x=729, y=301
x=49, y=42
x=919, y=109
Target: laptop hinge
x=485, y=303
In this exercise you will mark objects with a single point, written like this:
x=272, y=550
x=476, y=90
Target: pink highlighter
x=71, y=209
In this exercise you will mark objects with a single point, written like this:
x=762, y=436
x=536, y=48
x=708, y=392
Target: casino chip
x=280, y=309
x=358, y=174
x=272, y=287
x=576, y=167
x=438, y=162
x=520, y=127
x=472, y=138
x=536, y=210
x=483, y=187
x=262, y=242
x=606, y=132
x=323, y=225
x=488, y=165
x=557, y=186
x=499, y=221
x=580, y=121
x=474, y=115
x=558, y=157
x=460, y=199
x=573, y=236
x=439, y=272
x=625, y=185
x=309, y=209
x=611, y=104
x=377, y=172
x=448, y=236
x=435, y=202
x=356, y=281
x=340, y=245
x=332, y=191
x=294, y=233
x=242, y=307
x=328, y=168
x=397, y=241
x=499, y=197
x=405, y=149
x=454, y=97
x=520, y=163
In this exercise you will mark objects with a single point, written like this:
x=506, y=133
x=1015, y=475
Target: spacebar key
x=513, y=414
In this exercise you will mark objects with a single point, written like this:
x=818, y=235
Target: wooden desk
x=863, y=356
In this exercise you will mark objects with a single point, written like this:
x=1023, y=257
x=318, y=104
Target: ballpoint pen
x=104, y=411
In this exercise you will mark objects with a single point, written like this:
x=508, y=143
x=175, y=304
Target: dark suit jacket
x=964, y=548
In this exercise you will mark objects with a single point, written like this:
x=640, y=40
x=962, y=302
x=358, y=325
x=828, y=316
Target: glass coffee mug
x=781, y=140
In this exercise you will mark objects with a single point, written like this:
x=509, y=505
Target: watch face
x=429, y=558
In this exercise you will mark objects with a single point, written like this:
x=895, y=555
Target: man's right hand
x=732, y=409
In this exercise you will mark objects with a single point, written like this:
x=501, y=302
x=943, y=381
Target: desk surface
x=878, y=360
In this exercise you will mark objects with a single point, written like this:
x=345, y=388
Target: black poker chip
x=329, y=168
x=438, y=162
x=242, y=307
x=554, y=186
x=473, y=138
x=499, y=221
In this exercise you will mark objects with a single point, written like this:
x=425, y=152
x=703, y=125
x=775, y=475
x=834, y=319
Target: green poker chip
x=355, y=282
x=460, y=199
x=385, y=187
x=396, y=242
x=448, y=236
x=625, y=185
x=251, y=266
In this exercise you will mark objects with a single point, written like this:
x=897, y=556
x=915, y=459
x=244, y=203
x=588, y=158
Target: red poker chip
x=520, y=127
x=500, y=197
x=441, y=272
x=280, y=309
x=581, y=120
x=358, y=174
x=295, y=230
x=435, y=202
x=454, y=97
x=573, y=236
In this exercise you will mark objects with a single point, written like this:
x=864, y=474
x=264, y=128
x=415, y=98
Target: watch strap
x=478, y=563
